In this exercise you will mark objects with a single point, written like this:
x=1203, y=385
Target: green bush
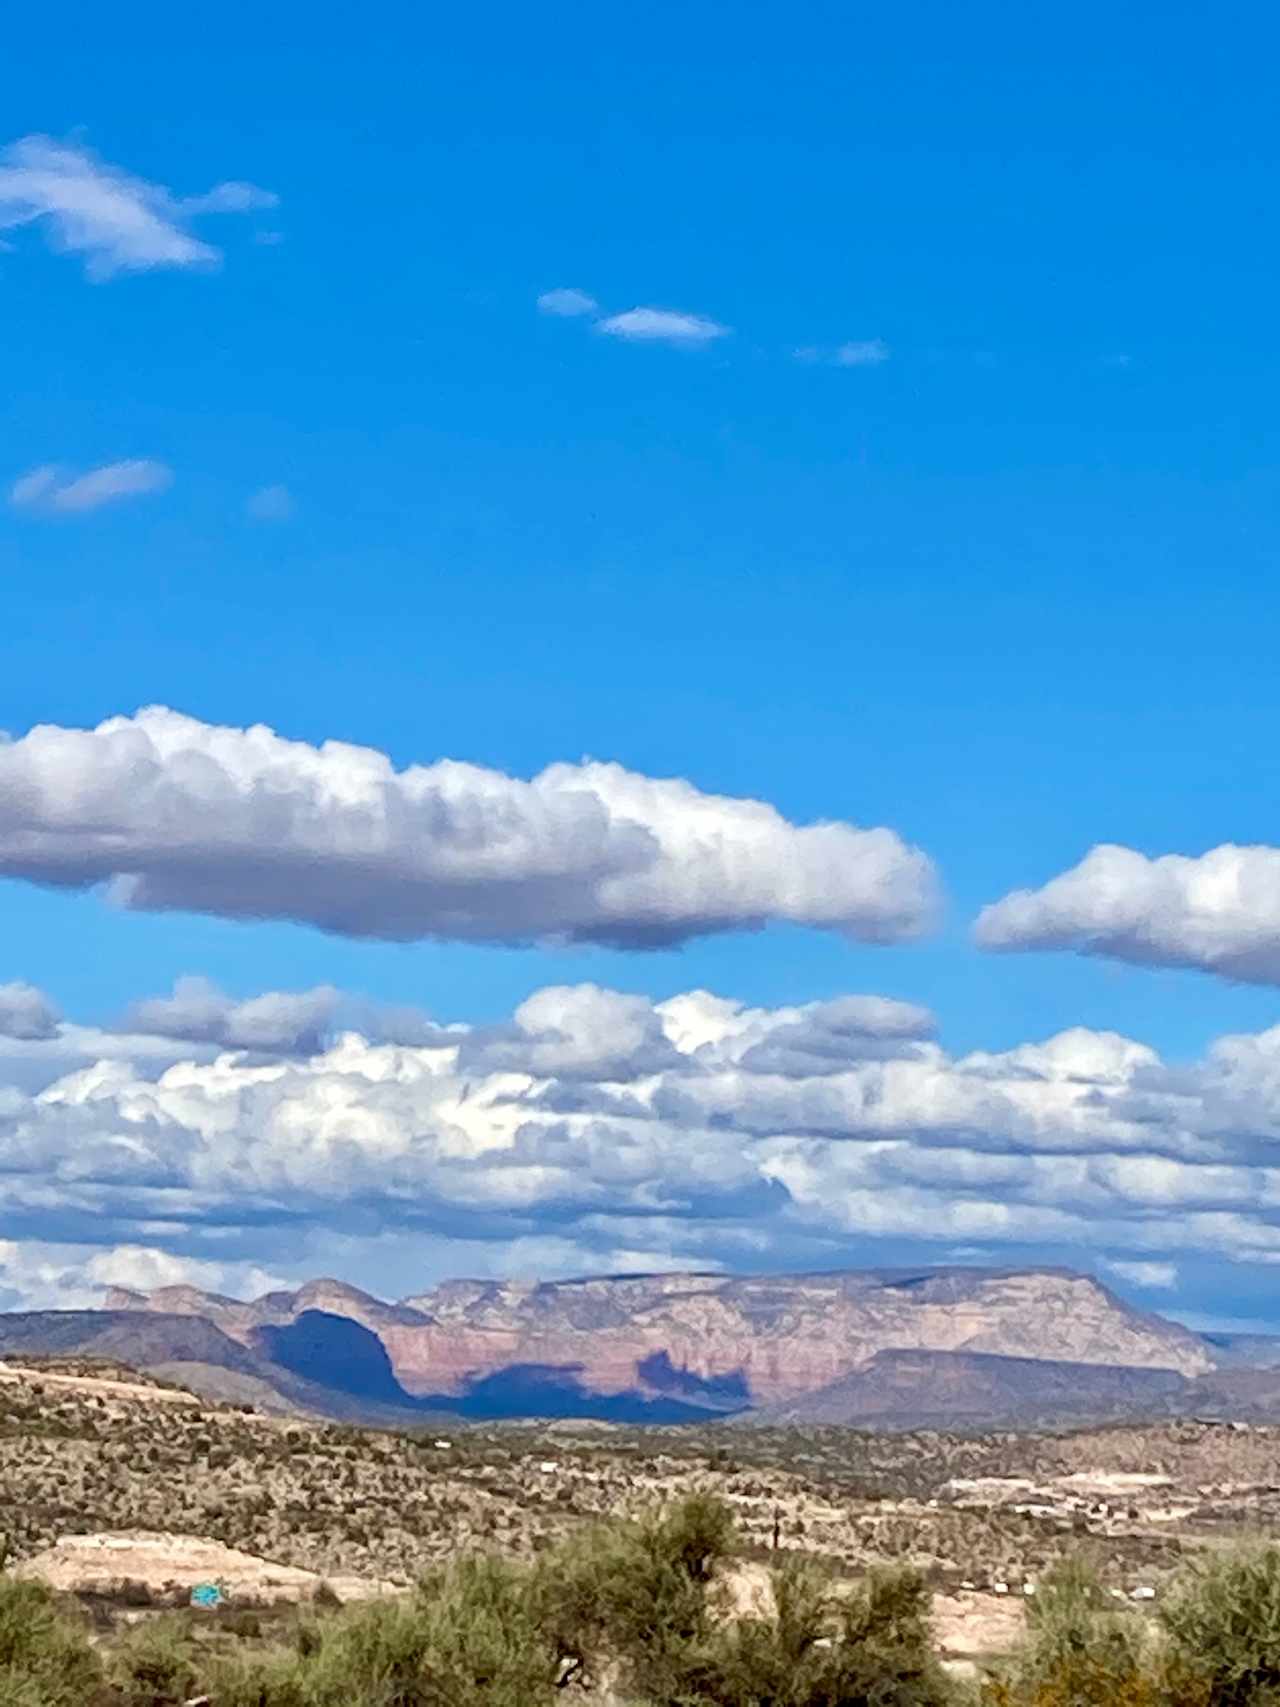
x=1082, y=1650
x=155, y=1661
x=634, y=1597
x=638, y=1605
x=276, y=1678
x=1223, y=1622
x=45, y=1658
x=466, y=1637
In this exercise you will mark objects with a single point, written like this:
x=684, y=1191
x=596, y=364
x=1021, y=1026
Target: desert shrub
x=695, y=1535
x=1081, y=1650
x=871, y=1649
x=155, y=1661
x=276, y=1678
x=779, y=1661
x=466, y=1637
x=45, y=1657
x=1222, y=1618
x=640, y=1600
x=635, y=1596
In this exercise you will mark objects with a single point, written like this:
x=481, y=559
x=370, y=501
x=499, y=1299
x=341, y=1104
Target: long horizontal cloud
x=178, y=814
x=597, y=1130
x=1216, y=913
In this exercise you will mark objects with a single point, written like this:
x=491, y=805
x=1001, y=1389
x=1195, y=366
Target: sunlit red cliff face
x=723, y=1342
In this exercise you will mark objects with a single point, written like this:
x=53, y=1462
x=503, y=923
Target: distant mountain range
x=937, y=1347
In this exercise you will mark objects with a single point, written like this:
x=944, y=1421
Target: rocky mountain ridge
x=669, y=1347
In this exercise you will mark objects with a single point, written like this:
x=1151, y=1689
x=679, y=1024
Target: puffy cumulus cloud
x=195, y=1022
x=598, y=1130
x=27, y=1014
x=50, y=491
x=281, y=1021
x=175, y=813
x=577, y=1032
x=1218, y=913
x=37, y=1275
x=37, y=1046
x=116, y=222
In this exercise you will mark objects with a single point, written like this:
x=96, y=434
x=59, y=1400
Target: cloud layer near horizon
x=596, y=1131
x=1217, y=913
x=173, y=813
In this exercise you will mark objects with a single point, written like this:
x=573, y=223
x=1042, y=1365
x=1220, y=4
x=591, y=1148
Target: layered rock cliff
x=712, y=1340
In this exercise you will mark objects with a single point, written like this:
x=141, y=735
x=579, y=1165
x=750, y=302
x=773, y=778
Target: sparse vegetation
x=1222, y=1620
x=634, y=1608
x=615, y=1567
x=45, y=1659
x=343, y=1501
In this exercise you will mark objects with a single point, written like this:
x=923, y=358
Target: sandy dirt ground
x=95, y=1386
x=103, y=1564
x=969, y=1626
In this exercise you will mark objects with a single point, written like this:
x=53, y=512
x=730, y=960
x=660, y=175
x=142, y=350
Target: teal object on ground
x=207, y=1594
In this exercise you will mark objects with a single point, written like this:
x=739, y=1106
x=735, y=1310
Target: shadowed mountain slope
x=946, y=1389
x=673, y=1347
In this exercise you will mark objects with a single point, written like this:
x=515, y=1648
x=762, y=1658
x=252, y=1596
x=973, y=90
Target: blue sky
x=1007, y=590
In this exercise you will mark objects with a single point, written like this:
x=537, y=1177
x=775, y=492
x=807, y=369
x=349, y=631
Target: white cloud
x=31, y=488
x=177, y=814
x=867, y=352
x=27, y=1014
x=662, y=326
x=1216, y=913
x=694, y=1130
x=1149, y=1276
x=567, y=304
x=37, y=1275
x=282, y=1021
x=230, y=198
x=46, y=488
x=32, y=1063
x=117, y=222
x=270, y=504
x=193, y=1023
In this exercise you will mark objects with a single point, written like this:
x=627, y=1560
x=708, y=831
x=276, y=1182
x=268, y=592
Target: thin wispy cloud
x=860, y=352
x=662, y=326
x=270, y=504
x=1150, y=1276
x=50, y=490
x=567, y=304
x=641, y=325
x=866, y=352
x=116, y=222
